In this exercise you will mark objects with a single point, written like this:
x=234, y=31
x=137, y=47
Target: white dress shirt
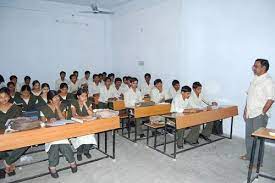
x=198, y=101
x=117, y=92
x=172, y=93
x=73, y=87
x=85, y=81
x=131, y=97
x=261, y=90
x=59, y=81
x=178, y=105
x=105, y=94
x=93, y=88
x=157, y=96
x=124, y=88
x=145, y=88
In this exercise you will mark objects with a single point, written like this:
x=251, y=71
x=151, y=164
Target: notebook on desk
x=145, y=104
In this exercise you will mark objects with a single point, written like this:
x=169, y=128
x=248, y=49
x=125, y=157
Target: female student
x=64, y=94
x=36, y=90
x=42, y=98
x=9, y=111
x=50, y=113
x=2, y=82
x=82, y=108
x=26, y=100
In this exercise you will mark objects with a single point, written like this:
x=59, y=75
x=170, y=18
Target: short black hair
x=95, y=75
x=63, y=85
x=264, y=63
x=118, y=79
x=35, y=82
x=72, y=75
x=111, y=75
x=147, y=75
x=87, y=72
x=196, y=85
x=26, y=87
x=157, y=81
x=27, y=78
x=185, y=89
x=80, y=91
x=51, y=94
x=75, y=72
x=5, y=90
x=2, y=79
x=133, y=79
x=175, y=82
x=10, y=83
x=45, y=85
x=100, y=75
x=62, y=72
x=107, y=78
x=104, y=73
x=13, y=77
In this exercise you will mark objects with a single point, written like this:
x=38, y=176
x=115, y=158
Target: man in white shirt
x=62, y=79
x=174, y=90
x=146, y=86
x=94, y=87
x=158, y=93
x=118, y=92
x=260, y=97
x=126, y=84
x=13, y=79
x=86, y=79
x=131, y=98
x=73, y=84
x=106, y=93
x=181, y=103
x=198, y=100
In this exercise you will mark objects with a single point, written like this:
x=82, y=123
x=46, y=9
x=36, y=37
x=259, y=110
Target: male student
x=146, y=86
x=73, y=84
x=112, y=77
x=174, y=90
x=13, y=79
x=126, y=84
x=198, y=100
x=181, y=103
x=62, y=79
x=94, y=86
x=131, y=98
x=106, y=93
x=76, y=74
x=86, y=79
x=118, y=92
x=27, y=81
x=157, y=93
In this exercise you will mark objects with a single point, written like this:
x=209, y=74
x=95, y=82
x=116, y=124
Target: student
x=95, y=85
x=50, y=113
x=146, y=86
x=64, y=94
x=131, y=98
x=174, y=90
x=74, y=84
x=2, y=82
x=26, y=99
x=82, y=107
x=112, y=77
x=62, y=79
x=106, y=93
x=104, y=76
x=13, y=79
x=42, y=98
x=36, y=90
x=157, y=93
x=27, y=81
x=126, y=84
x=76, y=74
x=101, y=80
x=12, y=92
x=9, y=111
x=181, y=103
x=118, y=92
x=86, y=79
x=199, y=101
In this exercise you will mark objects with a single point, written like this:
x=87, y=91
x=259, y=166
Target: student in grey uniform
x=42, y=98
x=26, y=100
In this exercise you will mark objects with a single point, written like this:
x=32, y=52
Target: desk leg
x=147, y=136
x=122, y=126
x=155, y=139
x=165, y=138
x=129, y=127
x=260, y=154
x=106, y=142
x=175, y=143
x=135, y=130
x=251, y=160
x=114, y=144
x=231, y=129
x=98, y=140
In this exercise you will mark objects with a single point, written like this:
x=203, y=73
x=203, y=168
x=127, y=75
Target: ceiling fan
x=96, y=10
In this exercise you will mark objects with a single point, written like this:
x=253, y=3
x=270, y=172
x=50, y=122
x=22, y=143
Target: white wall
x=33, y=43
x=212, y=41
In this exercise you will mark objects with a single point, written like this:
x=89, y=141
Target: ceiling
x=106, y=4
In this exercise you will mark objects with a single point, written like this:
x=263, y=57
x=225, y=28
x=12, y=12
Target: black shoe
x=54, y=174
x=205, y=138
x=180, y=146
x=88, y=155
x=191, y=143
x=74, y=169
x=156, y=133
x=141, y=136
x=12, y=173
x=2, y=174
x=79, y=157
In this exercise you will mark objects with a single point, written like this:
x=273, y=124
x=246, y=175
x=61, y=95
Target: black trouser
x=13, y=156
x=83, y=149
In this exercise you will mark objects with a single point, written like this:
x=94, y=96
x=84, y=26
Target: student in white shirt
x=199, y=101
x=76, y=74
x=131, y=98
x=94, y=86
x=260, y=97
x=106, y=93
x=27, y=81
x=86, y=79
x=174, y=90
x=112, y=77
x=62, y=79
x=118, y=92
x=2, y=82
x=13, y=79
x=126, y=84
x=74, y=84
x=146, y=86
x=181, y=103
x=158, y=93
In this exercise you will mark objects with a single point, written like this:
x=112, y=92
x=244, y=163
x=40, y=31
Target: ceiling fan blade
x=86, y=12
x=106, y=12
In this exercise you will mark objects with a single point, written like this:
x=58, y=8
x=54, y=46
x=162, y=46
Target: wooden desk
x=118, y=105
x=261, y=134
x=158, y=109
x=185, y=120
x=50, y=134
